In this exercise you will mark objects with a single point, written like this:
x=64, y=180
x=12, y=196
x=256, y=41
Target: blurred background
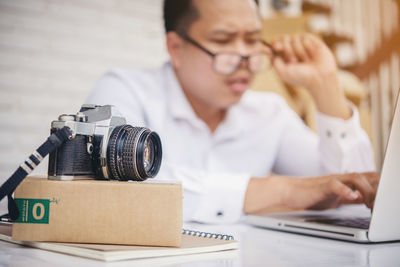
x=52, y=52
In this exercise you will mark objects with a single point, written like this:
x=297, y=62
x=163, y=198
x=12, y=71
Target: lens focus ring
x=125, y=153
x=129, y=161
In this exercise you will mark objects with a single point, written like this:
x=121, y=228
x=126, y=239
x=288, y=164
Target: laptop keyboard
x=360, y=222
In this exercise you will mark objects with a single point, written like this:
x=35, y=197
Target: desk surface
x=258, y=247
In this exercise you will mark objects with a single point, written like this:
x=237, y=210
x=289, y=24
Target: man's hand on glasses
x=304, y=60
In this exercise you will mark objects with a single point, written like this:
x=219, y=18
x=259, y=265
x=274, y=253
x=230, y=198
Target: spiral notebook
x=193, y=242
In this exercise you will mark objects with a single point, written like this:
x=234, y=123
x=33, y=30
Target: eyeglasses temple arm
x=270, y=47
x=190, y=40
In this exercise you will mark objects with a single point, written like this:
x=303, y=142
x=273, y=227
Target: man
x=223, y=141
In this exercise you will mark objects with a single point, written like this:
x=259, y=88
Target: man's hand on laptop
x=264, y=194
x=333, y=190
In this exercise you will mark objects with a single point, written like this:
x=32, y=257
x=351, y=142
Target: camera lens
x=133, y=153
x=148, y=154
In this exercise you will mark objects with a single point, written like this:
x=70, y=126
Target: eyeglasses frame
x=213, y=55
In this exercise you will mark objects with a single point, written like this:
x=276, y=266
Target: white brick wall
x=51, y=54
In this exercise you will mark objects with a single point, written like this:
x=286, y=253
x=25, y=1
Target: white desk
x=258, y=247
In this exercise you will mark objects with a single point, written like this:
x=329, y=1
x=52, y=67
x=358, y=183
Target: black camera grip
x=7, y=188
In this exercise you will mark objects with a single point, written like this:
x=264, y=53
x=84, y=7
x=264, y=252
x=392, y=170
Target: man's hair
x=179, y=15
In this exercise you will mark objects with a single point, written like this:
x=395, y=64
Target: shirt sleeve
x=209, y=197
x=340, y=146
x=345, y=141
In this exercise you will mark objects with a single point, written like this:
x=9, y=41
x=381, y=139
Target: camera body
x=104, y=147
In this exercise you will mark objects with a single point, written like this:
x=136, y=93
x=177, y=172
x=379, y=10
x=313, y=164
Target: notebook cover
x=190, y=245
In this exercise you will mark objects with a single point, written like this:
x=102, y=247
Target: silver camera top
x=106, y=115
x=90, y=120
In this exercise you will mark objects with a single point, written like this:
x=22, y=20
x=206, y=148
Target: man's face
x=222, y=26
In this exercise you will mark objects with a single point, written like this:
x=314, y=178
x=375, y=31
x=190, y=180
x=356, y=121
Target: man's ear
x=174, y=46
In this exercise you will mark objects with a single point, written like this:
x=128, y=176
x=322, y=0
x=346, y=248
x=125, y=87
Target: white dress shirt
x=259, y=135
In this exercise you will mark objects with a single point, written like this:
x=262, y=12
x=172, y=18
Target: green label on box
x=33, y=210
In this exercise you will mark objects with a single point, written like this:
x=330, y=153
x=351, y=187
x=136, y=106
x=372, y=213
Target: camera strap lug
x=52, y=143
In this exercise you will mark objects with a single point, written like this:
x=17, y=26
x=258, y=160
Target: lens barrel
x=127, y=153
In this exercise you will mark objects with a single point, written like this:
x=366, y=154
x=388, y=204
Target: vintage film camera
x=104, y=147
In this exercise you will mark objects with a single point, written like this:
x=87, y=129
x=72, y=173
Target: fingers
x=288, y=49
x=280, y=66
x=373, y=178
x=359, y=200
x=284, y=49
x=338, y=188
x=365, y=188
x=364, y=184
x=309, y=46
x=297, y=48
x=331, y=190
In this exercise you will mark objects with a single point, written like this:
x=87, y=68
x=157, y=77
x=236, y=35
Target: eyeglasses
x=229, y=62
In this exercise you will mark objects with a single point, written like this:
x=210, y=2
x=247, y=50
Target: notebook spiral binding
x=206, y=234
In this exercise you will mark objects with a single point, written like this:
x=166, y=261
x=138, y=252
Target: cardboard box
x=90, y=211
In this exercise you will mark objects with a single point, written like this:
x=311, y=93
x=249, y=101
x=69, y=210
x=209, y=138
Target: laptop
x=352, y=223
